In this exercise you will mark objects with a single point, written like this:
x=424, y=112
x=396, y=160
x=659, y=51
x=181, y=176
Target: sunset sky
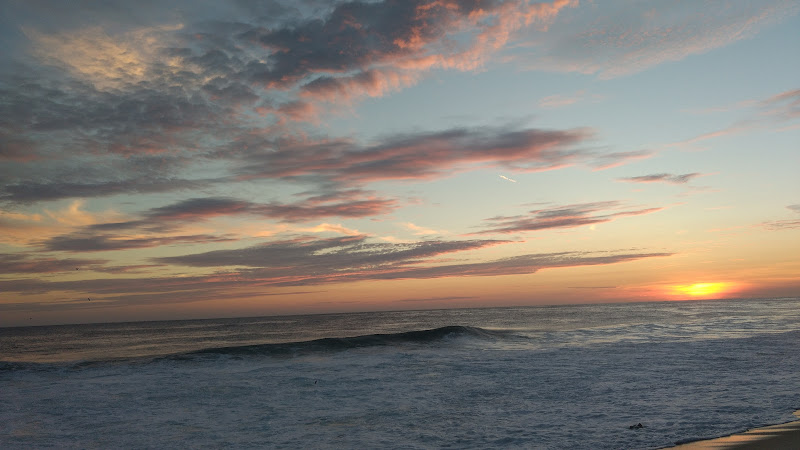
x=188, y=159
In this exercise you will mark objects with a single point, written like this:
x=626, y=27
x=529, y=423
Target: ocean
x=548, y=377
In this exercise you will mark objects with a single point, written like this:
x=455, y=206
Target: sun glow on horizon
x=702, y=290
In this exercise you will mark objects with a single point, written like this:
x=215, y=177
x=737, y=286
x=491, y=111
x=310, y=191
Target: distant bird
x=637, y=426
x=87, y=298
x=315, y=381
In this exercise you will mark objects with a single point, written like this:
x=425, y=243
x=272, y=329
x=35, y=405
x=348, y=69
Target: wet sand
x=775, y=437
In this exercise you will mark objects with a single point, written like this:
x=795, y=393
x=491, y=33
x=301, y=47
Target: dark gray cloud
x=71, y=116
x=199, y=208
x=309, y=261
x=518, y=265
x=162, y=94
x=663, y=177
x=89, y=242
x=314, y=208
x=356, y=35
x=353, y=209
x=419, y=155
x=31, y=192
x=303, y=256
x=569, y=216
x=24, y=263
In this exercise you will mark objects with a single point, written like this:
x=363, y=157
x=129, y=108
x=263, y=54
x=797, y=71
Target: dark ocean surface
x=528, y=377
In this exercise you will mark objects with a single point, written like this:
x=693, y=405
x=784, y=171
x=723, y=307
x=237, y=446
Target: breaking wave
x=326, y=345
x=278, y=350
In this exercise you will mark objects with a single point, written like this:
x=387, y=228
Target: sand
x=776, y=437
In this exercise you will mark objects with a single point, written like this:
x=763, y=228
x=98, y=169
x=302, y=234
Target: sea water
x=527, y=377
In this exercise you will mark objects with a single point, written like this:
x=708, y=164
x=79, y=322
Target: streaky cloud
x=421, y=155
x=32, y=192
x=85, y=242
x=622, y=38
x=663, y=178
x=19, y=263
x=335, y=260
x=569, y=216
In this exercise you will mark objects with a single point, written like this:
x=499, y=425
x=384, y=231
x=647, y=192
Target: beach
x=776, y=437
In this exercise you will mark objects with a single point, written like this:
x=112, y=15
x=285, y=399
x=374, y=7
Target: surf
x=337, y=344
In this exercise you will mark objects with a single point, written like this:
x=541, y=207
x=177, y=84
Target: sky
x=192, y=159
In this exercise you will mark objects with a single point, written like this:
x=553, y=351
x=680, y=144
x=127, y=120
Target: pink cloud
x=662, y=178
x=422, y=155
x=785, y=105
x=569, y=216
x=438, y=34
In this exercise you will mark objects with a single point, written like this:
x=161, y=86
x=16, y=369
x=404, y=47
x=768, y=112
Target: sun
x=702, y=290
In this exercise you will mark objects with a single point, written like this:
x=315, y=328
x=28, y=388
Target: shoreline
x=773, y=437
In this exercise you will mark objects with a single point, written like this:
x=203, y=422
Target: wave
x=279, y=350
x=327, y=345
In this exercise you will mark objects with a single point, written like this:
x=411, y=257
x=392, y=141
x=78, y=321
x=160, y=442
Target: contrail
x=506, y=178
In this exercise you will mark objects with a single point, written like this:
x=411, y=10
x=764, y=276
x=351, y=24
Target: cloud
x=353, y=209
x=436, y=299
x=21, y=229
x=786, y=224
x=419, y=155
x=302, y=256
x=518, y=265
x=785, y=105
x=778, y=225
x=104, y=106
x=86, y=242
x=313, y=208
x=306, y=261
x=36, y=192
x=736, y=128
x=621, y=38
x=199, y=76
x=418, y=230
x=663, y=178
x=569, y=216
x=602, y=161
x=779, y=108
x=107, y=61
x=343, y=261
x=367, y=48
x=333, y=228
x=561, y=101
x=21, y=263
x=162, y=225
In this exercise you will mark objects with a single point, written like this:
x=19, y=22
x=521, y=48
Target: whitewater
x=523, y=377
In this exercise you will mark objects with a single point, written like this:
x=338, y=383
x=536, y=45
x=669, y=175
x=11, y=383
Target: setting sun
x=702, y=289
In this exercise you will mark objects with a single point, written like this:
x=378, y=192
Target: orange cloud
x=106, y=61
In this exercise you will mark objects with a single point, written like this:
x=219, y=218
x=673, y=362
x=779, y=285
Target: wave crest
x=326, y=345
